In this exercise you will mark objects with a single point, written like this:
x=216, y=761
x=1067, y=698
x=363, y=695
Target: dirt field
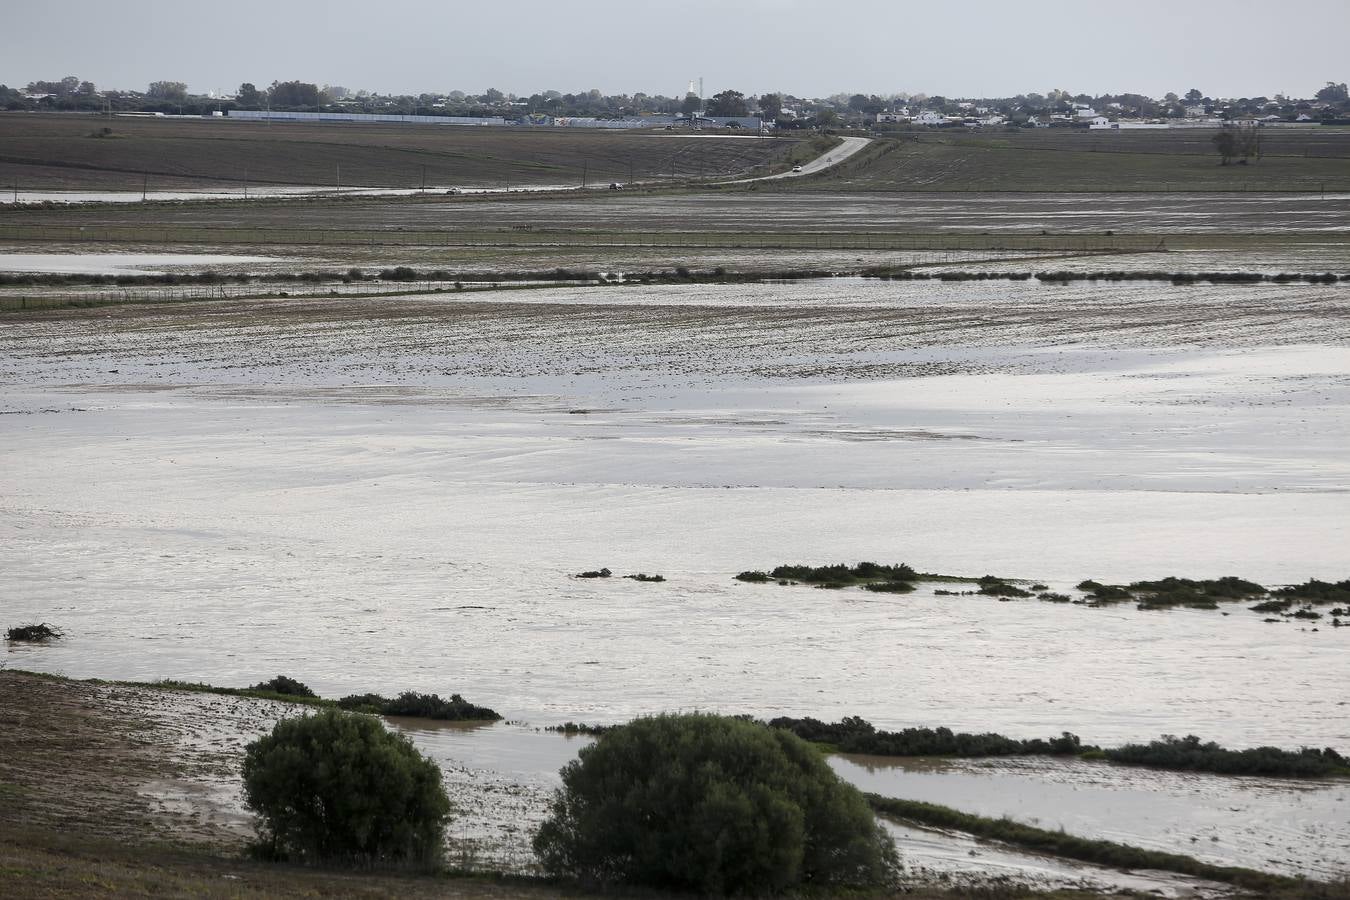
x=67, y=152
x=1078, y=160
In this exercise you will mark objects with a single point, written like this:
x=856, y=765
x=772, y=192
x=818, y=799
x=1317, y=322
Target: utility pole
x=424, y=179
x=145, y=184
x=584, y=166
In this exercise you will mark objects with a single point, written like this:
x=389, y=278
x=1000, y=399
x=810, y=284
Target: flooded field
x=233, y=489
x=767, y=211
x=396, y=493
x=123, y=263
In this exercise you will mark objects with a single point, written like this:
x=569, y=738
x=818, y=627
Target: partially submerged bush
x=595, y=573
x=714, y=805
x=641, y=576
x=420, y=706
x=994, y=586
x=1189, y=753
x=754, y=577
x=840, y=573
x=854, y=734
x=285, y=686
x=34, y=634
x=1314, y=591
x=336, y=787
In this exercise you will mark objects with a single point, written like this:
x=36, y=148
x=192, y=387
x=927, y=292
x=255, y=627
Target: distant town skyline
x=803, y=47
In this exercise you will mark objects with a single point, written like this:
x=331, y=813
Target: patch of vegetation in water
x=420, y=706
x=854, y=734
x=34, y=634
x=841, y=573
x=1194, y=594
x=1316, y=592
x=889, y=587
x=1190, y=753
x=285, y=686
x=594, y=573
x=897, y=578
x=993, y=586
x=574, y=728
x=1058, y=843
x=647, y=578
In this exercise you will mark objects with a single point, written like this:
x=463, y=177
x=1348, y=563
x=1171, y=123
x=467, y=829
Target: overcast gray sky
x=803, y=47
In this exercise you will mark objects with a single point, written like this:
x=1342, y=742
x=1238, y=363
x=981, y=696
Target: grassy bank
x=1057, y=843
x=409, y=704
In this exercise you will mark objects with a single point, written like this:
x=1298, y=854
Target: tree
x=728, y=103
x=172, y=91
x=87, y=89
x=1194, y=96
x=1334, y=93
x=339, y=787
x=826, y=117
x=294, y=94
x=771, y=106
x=713, y=805
x=1248, y=141
x=691, y=104
x=249, y=95
x=492, y=95
x=1226, y=143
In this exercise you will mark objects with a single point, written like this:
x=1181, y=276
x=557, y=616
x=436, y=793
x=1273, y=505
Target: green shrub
x=339, y=787
x=34, y=633
x=420, y=706
x=710, y=804
x=288, y=687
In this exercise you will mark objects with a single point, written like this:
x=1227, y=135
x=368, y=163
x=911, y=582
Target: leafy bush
x=339, y=787
x=994, y=586
x=419, y=706
x=1189, y=753
x=288, y=687
x=710, y=804
x=1314, y=591
x=34, y=633
x=754, y=577
x=1204, y=594
x=840, y=573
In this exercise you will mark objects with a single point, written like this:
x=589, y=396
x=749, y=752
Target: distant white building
x=928, y=117
x=1195, y=112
